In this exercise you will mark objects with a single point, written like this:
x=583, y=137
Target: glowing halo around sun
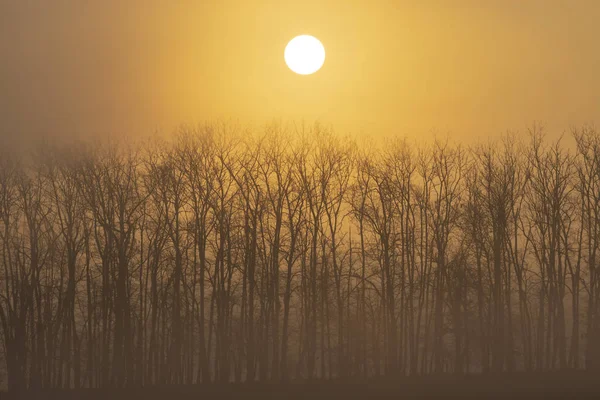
x=304, y=54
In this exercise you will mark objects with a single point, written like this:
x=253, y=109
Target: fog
x=470, y=69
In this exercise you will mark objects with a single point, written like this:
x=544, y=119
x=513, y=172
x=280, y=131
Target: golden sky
x=473, y=69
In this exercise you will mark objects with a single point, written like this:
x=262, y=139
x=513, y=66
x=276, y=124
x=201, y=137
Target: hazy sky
x=470, y=68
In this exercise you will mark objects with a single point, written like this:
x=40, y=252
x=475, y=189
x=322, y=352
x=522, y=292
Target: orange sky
x=473, y=69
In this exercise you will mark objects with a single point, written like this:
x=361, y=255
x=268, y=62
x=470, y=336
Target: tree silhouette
x=291, y=254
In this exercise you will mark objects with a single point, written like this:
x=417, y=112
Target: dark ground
x=559, y=385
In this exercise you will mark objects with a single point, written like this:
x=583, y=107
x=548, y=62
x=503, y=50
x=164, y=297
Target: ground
x=556, y=385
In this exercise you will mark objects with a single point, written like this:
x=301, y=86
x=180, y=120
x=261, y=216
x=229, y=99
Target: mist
x=472, y=69
x=184, y=215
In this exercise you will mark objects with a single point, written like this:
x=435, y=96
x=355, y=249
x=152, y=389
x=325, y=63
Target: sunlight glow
x=304, y=54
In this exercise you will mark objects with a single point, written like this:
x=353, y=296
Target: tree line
x=296, y=254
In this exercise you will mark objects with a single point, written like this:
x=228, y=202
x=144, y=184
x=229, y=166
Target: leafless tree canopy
x=295, y=254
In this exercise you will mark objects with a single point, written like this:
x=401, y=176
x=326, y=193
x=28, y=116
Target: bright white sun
x=304, y=54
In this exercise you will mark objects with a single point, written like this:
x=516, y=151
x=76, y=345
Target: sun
x=304, y=54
